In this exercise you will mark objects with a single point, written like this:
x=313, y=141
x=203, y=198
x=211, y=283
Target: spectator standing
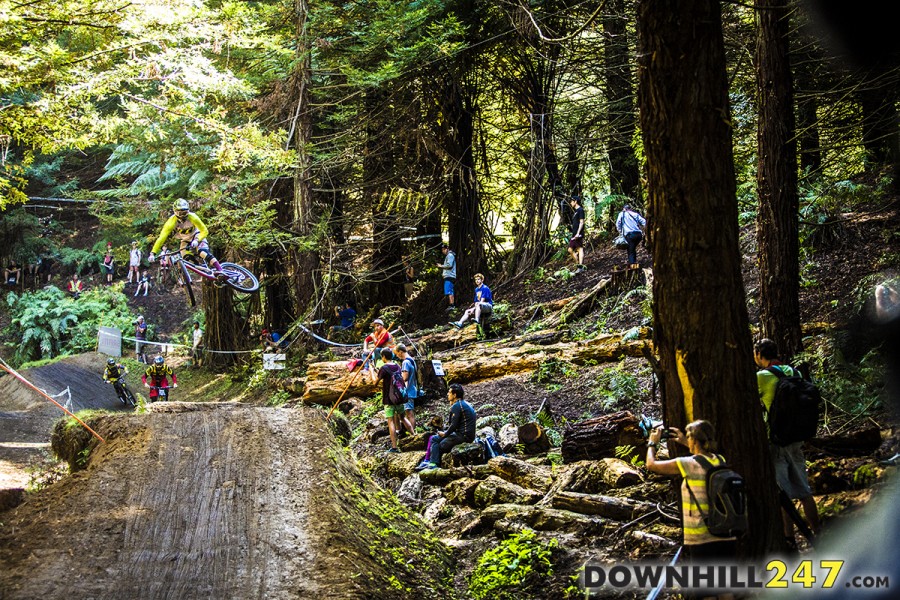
x=140, y=336
x=576, y=243
x=699, y=544
x=408, y=370
x=631, y=225
x=448, y=272
x=483, y=305
x=380, y=338
x=75, y=286
x=195, y=347
x=108, y=266
x=392, y=412
x=460, y=430
x=790, y=463
x=134, y=262
x=347, y=315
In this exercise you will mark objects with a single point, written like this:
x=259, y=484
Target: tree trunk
x=700, y=318
x=776, y=180
x=305, y=261
x=225, y=331
x=881, y=135
x=624, y=178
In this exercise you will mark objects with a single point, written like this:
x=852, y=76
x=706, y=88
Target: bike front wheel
x=129, y=396
x=240, y=279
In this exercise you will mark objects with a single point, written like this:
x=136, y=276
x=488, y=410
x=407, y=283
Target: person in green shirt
x=190, y=230
x=790, y=464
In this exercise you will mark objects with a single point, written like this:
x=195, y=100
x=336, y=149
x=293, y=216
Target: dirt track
x=26, y=417
x=211, y=501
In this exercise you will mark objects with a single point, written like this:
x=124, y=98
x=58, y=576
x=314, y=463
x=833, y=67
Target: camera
x=646, y=425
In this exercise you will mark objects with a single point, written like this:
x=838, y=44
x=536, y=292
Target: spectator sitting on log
x=460, y=430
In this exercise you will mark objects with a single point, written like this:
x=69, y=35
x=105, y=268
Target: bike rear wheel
x=240, y=279
x=186, y=282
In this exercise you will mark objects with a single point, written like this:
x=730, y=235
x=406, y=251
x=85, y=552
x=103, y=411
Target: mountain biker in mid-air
x=190, y=231
x=113, y=374
x=158, y=373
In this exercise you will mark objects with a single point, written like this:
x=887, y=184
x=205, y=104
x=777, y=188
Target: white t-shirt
x=135, y=257
x=198, y=336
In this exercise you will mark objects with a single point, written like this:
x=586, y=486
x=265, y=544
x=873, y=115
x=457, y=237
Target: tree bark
x=776, y=180
x=700, y=318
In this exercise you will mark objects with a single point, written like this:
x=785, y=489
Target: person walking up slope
x=631, y=225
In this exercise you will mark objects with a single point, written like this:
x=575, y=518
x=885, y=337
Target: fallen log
x=502, y=516
x=619, y=509
x=494, y=490
x=325, y=381
x=859, y=443
x=521, y=473
x=599, y=437
x=579, y=306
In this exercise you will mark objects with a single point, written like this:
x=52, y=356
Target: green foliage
x=865, y=475
x=617, y=388
x=516, y=569
x=44, y=471
x=855, y=389
x=49, y=322
x=551, y=370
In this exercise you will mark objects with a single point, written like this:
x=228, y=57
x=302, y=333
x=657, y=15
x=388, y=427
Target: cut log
x=617, y=473
x=461, y=491
x=599, y=437
x=326, y=381
x=414, y=442
x=521, y=473
x=542, y=518
x=494, y=490
x=619, y=509
x=532, y=436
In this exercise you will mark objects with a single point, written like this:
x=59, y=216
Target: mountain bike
x=123, y=392
x=162, y=393
x=235, y=276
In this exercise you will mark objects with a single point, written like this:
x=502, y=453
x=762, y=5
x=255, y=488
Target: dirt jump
x=216, y=500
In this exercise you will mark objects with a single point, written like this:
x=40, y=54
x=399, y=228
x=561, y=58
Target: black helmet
x=111, y=361
x=159, y=360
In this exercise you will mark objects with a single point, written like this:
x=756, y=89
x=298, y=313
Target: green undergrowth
x=516, y=569
x=397, y=554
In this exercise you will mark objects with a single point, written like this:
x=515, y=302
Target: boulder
x=469, y=453
x=508, y=437
x=402, y=464
x=495, y=490
x=522, y=473
x=410, y=492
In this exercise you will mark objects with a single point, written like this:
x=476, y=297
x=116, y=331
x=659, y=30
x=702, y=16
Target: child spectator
x=134, y=262
x=75, y=286
x=108, y=266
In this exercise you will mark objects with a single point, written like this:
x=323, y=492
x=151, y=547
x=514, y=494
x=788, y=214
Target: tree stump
x=467, y=454
x=532, y=436
x=599, y=437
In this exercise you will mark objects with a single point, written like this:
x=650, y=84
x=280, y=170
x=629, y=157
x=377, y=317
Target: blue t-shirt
x=412, y=384
x=348, y=315
x=483, y=294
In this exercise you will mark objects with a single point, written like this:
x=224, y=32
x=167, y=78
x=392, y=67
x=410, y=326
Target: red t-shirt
x=385, y=339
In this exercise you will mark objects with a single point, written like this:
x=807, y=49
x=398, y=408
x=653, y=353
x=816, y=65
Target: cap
x=378, y=322
x=444, y=245
x=265, y=331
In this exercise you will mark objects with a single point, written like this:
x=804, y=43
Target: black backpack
x=794, y=413
x=727, y=499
